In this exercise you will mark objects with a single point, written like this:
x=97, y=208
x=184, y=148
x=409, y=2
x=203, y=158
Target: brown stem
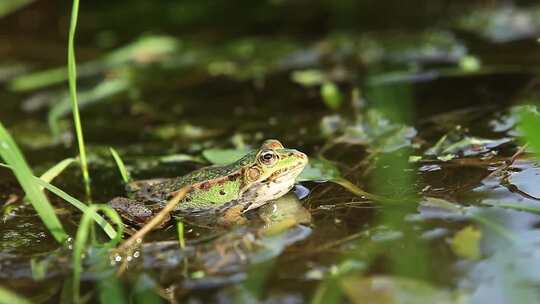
x=370, y=196
x=137, y=237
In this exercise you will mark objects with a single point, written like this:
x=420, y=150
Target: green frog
x=227, y=191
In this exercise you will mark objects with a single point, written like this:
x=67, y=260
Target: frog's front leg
x=133, y=211
x=232, y=216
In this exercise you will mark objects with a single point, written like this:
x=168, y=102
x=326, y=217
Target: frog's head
x=272, y=171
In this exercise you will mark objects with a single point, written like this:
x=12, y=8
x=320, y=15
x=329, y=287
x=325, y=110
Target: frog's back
x=214, y=188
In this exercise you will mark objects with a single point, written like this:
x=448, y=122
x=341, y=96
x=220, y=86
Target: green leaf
x=319, y=170
x=529, y=126
x=466, y=243
x=308, y=78
x=9, y=297
x=331, y=95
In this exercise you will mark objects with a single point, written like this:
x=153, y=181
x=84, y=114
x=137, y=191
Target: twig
x=509, y=162
x=137, y=237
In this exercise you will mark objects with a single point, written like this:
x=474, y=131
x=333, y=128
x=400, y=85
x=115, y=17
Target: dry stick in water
x=509, y=162
x=137, y=237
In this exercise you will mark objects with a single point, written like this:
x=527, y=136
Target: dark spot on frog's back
x=204, y=186
x=233, y=177
x=222, y=192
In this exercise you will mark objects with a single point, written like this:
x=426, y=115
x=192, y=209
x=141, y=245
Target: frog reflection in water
x=227, y=191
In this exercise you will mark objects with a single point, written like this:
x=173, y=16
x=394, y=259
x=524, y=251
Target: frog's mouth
x=273, y=187
x=284, y=174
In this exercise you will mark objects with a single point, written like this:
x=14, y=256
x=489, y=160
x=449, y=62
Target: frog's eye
x=268, y=157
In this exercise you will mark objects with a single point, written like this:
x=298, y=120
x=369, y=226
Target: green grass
x=9, y=297
x=180, y=231
x=72, y=79
x=42, y=183
x=55, y=170
x=107, y=228
x=121, y=166
x=9, y=6
x=83, y=232
x=13, y=157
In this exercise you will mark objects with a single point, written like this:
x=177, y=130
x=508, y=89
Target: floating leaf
x=470, y=63
x=465, y=243
x=319, y=170
x=308, y=78
x=529, y=125
x=373, y=128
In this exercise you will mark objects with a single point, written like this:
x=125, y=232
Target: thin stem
x=72, y=75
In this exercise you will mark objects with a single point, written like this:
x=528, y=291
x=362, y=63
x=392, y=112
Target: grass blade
x=181, y=237
x=54, y=171
x=107, y=228
x=121, y=166
x=85, y=227
x=14, y=158
x=8, y=7
x=72, y=78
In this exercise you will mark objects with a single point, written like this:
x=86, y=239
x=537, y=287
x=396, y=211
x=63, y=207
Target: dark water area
x=416, y=102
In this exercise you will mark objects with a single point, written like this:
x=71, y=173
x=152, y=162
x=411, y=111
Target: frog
x=226, y=191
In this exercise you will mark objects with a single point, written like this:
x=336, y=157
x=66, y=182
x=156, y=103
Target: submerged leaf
x=373, y=128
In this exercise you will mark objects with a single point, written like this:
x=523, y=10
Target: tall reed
x=72, y=79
